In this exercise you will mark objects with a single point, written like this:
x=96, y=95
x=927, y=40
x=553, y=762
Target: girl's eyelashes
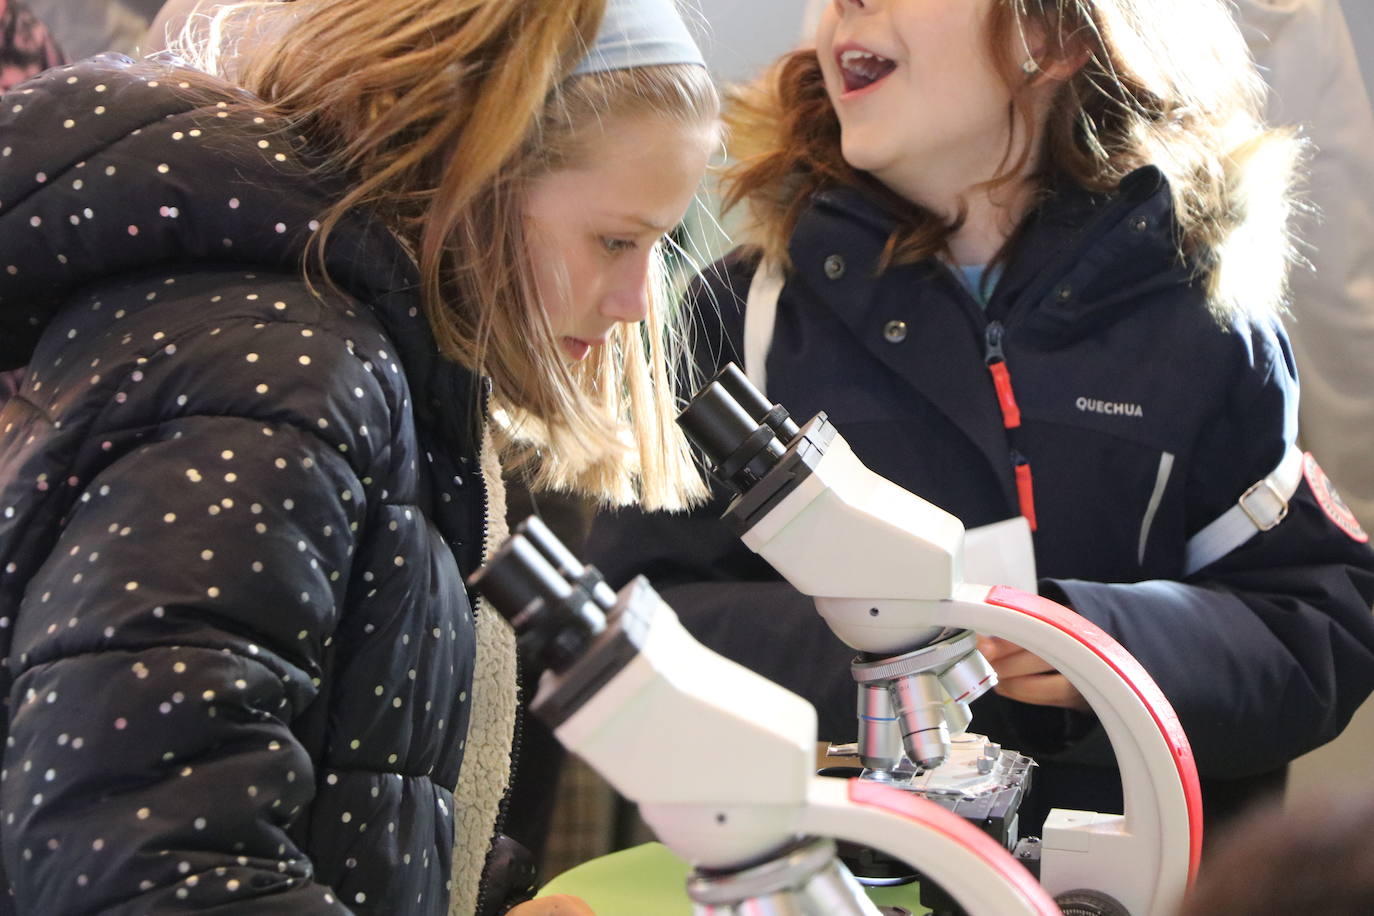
x=615, y=245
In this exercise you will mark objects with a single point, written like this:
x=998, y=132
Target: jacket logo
x=1111, y=408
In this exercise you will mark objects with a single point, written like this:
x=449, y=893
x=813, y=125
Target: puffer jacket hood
x=235, y=515
x=111, y=166
x=92, y=188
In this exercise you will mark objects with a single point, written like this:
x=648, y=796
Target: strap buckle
x=1261, y=519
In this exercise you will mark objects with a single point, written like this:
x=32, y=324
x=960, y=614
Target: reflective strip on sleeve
x=1166, y=468
x=1259, y=508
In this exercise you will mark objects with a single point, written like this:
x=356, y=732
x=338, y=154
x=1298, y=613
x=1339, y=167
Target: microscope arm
x=884, y=568
x=1147, y=857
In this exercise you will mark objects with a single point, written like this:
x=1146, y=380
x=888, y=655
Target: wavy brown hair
x=1167, y=83
x=442, y=114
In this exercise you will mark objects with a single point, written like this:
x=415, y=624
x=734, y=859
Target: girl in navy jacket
x=1033, y=258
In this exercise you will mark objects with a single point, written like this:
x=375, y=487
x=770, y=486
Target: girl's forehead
x=626, y=139
x=646, y=167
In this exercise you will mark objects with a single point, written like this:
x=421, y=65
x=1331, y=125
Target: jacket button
x=1065, y=293
x=894, y=331
x=834, y=267
x=1140, y=224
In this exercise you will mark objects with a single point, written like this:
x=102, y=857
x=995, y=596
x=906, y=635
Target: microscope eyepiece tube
x=517, y=576
x=547, y=543
x=716, y=422
x=740, y=449
x=563, y=560
x=756, y=404
x=554, y=619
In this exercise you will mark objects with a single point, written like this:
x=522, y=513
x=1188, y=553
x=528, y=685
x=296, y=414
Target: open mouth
x=862, y=69
x=575, y=348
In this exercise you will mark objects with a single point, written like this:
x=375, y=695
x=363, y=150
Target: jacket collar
x=1105, y=244
x=1082, y=261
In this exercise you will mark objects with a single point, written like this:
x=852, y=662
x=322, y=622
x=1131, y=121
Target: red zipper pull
x=996, y=362
x=1006, y=399
x=1025, y=489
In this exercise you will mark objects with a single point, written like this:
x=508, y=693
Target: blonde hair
x=1167, y=83
x=441, y=114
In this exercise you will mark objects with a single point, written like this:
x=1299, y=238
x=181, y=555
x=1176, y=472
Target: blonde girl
x=285, y=314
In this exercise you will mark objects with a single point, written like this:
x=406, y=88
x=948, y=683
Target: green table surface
x=649, y=879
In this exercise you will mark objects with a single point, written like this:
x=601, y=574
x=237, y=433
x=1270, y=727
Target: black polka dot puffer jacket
x=235, y=516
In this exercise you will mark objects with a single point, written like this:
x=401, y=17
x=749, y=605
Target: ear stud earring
x=1029, y=66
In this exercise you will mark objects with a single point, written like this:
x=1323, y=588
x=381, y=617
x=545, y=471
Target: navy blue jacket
x=1116, y=363
x=234, y=517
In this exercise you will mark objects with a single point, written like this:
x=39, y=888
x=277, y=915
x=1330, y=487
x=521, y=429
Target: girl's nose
x=629, y=306
x=628, y=300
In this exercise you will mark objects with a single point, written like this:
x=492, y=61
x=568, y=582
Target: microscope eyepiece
x=517, y=577
x=562, y=559
x=756, y=405
x=740, y=448
x=716, y=422
x=555, y=604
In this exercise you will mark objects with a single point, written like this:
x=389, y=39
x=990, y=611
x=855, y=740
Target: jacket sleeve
x=179, y=627
x=1266, y=652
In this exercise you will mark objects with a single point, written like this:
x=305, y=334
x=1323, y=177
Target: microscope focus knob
x=1089, y=903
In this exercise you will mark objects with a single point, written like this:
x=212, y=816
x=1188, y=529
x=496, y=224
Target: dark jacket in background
x=234, y=520
x=26, y=46
x=26, y=49
x=1264, y=653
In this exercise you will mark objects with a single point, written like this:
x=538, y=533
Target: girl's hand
x=554, y=905
x=1029, y=678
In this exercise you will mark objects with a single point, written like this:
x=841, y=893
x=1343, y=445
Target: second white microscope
x=885, y=570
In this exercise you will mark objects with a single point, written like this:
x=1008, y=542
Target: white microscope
x=885, y=570
x=664, y=720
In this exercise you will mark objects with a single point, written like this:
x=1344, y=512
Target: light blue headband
x=640, y=33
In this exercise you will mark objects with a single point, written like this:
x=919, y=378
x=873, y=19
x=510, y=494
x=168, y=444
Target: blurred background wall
x=1359, y=14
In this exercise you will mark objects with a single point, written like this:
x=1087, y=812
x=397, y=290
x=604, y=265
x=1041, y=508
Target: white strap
x=760, y=313
x=1259, y=508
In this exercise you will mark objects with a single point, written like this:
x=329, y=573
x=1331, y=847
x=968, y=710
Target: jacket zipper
x=994, y=355
x=996, y=361
x=995, y=358
x=502, y=809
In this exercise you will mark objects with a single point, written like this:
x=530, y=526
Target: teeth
x=864, y=68
x=850, y=58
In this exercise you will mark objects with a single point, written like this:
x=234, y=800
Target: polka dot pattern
x=263, y=525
